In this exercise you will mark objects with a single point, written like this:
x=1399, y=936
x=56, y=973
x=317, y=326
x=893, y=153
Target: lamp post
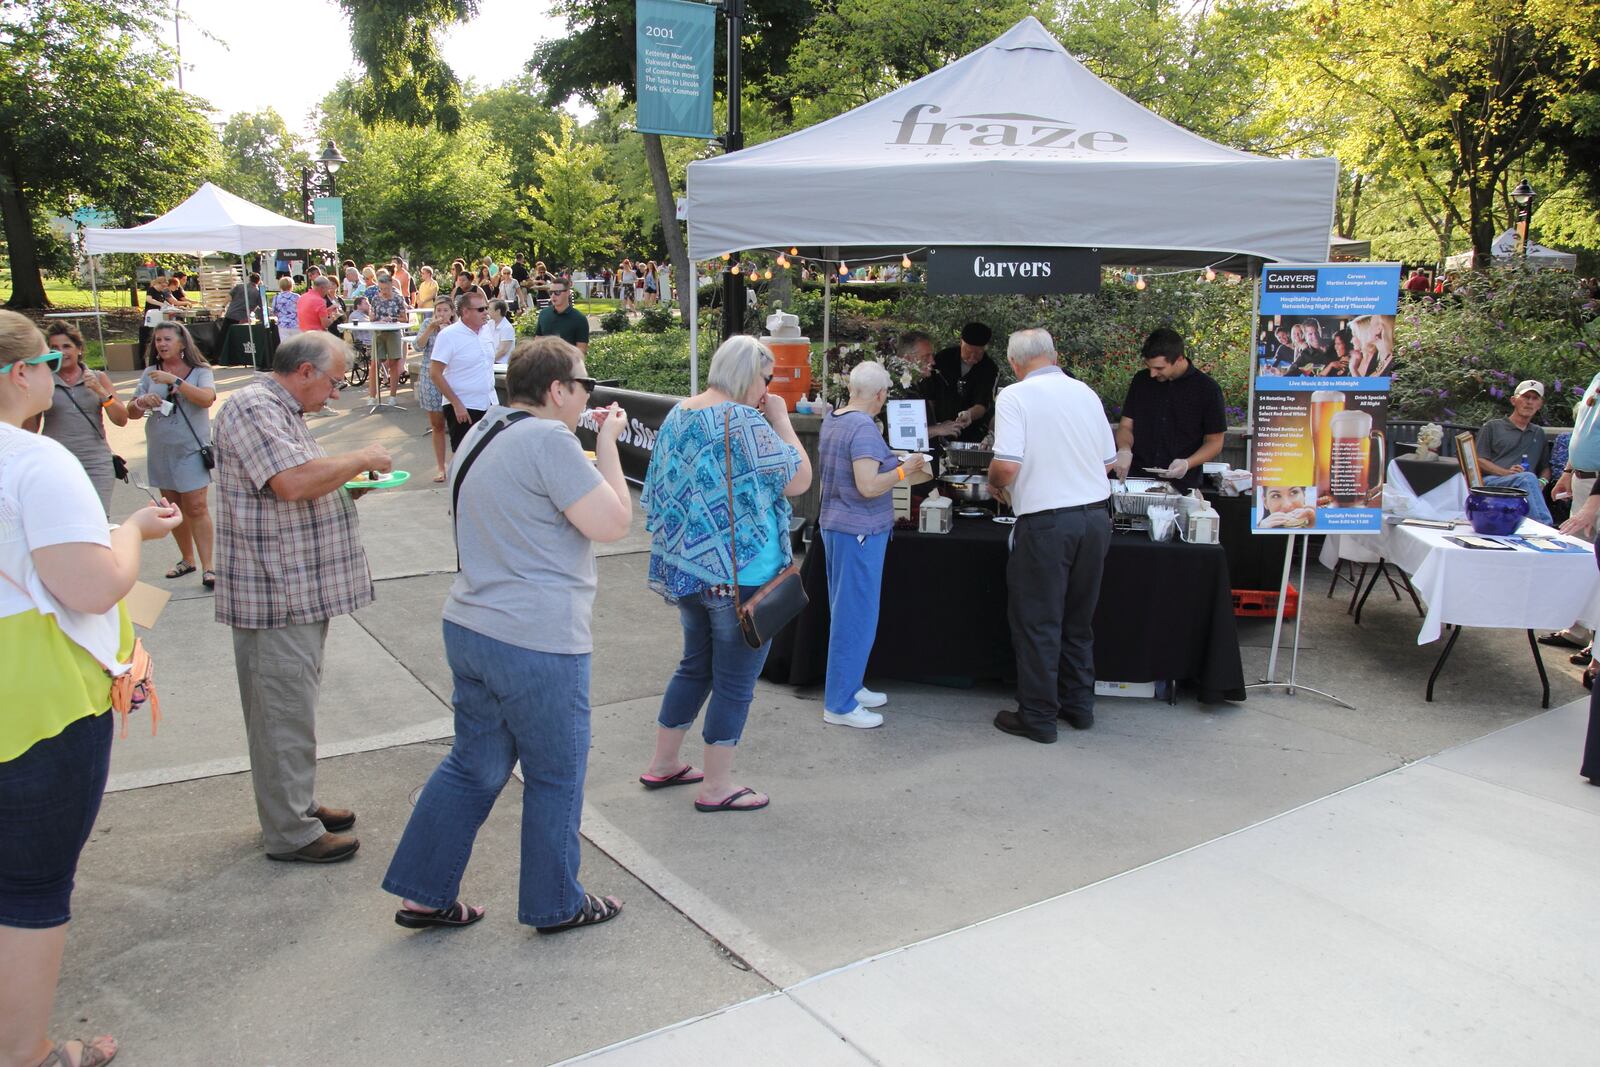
x=328, y=163
x=1523, y=197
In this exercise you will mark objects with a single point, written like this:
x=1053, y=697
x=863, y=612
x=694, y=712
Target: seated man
x=1509, y=449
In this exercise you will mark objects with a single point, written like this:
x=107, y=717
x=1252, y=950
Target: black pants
x=456, y=428
x=1053, y=579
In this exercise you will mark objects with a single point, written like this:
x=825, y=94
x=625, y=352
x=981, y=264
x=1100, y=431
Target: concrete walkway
x=1443, y=913
x=193, y=949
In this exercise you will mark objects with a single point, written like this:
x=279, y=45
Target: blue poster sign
x=675, y=50
x=329, y=211
x=1324, y=353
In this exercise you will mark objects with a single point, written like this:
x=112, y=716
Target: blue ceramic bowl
x=1496, y=510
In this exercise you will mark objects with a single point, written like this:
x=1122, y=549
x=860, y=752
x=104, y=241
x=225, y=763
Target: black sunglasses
x=587, y=383
x=769, y=378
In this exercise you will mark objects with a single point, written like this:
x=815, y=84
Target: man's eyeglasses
x=476, y=307
x=49, y=359
x=588, y=384
x=560, y=292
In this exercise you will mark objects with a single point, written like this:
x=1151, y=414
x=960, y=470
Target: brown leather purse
x=776, y=604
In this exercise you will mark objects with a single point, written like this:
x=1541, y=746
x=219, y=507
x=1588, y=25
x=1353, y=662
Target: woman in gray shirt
x=516, y=634
x=175, y=395
x=82, y=400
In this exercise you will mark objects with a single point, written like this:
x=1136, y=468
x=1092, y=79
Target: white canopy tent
x=211, y=220
x=1016, y=144
x=1504, y=250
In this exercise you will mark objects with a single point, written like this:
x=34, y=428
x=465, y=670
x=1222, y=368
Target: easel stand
x=1271, y=680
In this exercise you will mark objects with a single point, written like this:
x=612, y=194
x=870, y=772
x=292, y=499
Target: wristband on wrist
x=901, y=471
x=108, y=401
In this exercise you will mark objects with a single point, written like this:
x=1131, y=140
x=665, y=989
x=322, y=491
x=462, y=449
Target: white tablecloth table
x=372, y=329
x=1516, y=590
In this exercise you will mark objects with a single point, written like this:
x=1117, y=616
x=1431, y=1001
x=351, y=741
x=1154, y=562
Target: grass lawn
x=64, y=293
x=597, y=306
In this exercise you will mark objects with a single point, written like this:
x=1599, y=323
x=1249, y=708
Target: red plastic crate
x=1263, y=603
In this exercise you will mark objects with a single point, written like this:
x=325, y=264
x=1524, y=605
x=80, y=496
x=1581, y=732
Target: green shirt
x=571, y=325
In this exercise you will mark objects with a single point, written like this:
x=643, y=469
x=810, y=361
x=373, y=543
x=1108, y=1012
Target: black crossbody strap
x=466, y=465
x=97, y=427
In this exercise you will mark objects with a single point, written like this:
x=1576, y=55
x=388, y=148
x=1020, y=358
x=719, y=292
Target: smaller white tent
x=1504, y=251
x=211, y=220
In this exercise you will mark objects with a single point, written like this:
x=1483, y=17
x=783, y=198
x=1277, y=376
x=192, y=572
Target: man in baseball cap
x=1510, y=450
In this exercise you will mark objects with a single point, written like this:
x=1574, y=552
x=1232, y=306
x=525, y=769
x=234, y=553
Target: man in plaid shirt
x=289, y=558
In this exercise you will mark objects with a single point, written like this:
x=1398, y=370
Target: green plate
x=388, y=481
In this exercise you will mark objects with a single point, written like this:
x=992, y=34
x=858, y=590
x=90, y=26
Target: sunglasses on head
x=50, y=359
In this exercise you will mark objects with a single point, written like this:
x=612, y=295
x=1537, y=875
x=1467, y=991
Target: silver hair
x=316, y=347
x=739, y=363
x=868, y=379
x=1025, y=346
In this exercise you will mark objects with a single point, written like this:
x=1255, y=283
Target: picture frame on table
x=1467, y=458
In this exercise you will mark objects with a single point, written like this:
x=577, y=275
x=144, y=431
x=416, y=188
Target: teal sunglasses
x=49, y=359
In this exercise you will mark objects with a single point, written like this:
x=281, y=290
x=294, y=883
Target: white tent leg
x=694, y=329
x=99, y=322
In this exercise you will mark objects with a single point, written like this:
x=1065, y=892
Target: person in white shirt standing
x=463, y=366
x=1052, y=445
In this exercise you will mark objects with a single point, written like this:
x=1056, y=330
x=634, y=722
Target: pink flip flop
x=685, y=775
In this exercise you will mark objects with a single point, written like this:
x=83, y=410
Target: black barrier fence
x=646, y=413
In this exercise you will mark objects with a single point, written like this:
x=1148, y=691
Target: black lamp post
x=328, y=163
x=1523, y=197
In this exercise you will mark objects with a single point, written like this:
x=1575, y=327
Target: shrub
x=656, y=318
x=649, y=362
x=615, y=321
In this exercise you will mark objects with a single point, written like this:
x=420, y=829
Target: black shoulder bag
x=776, y=604
x=206, y=455
x=466, y=464
x=119, y=466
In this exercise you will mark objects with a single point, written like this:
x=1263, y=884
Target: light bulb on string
x=736, y=269
x=1211, y=275
x=783, y=261
x=726, y=256
x=905, y=262
x=843, y=270
x=794, y=251
x=1137, y=285
x=767, y=274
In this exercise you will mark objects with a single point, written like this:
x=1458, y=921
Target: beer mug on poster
x=1325, y=404
x=1350, y=480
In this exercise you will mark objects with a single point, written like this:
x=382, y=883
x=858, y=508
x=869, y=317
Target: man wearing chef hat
x=961, y=387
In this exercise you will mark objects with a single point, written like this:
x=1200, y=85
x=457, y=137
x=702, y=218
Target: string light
x=794, y=251
x=1137, y=285
x=767, y=274
x=1211, y=275
x=726, y=256
x=735, y=269
x=905, y=262
x=843, y=270
x=783, y=261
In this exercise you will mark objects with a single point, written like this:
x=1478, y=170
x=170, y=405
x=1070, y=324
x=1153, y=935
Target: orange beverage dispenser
x=791, y=355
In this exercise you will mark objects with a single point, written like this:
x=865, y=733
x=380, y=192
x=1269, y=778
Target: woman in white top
x=499, y=331
x=509, y=291
x=63, y=637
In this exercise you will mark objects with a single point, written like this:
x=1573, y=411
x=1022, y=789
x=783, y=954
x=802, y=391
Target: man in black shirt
x=519, y=269
x=961, y=387
x=1173, y=419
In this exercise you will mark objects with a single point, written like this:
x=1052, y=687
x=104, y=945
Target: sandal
x=595, y=910
x=209, y=579
x=457, y=914
x=1589, y=673
x=91, y=1056
x=183, y=567
x=679, y=777
x=439, y=477
x=727, y=802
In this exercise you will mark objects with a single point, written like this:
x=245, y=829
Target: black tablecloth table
x=1165, y=613
x=206, y=334
x=1426, y=475
x=249, y=346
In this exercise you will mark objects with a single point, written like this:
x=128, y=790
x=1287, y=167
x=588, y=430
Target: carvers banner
x=675, y=49
x=1324, y=354
x=1032, y=271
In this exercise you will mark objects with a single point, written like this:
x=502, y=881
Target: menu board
x=1324, y=355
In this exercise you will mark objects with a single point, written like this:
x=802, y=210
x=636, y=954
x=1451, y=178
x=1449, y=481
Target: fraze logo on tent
x=1005, y=130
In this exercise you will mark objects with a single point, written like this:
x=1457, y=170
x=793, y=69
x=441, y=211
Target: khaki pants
x=280, y=675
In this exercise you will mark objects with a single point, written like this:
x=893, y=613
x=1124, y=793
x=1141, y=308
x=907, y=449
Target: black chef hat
x=976, y=333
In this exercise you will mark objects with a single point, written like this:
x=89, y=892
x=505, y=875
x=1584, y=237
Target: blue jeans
x=511, y=703
x=717, y=663
x=855, y=581
x=1538, y=510
x=49, y=797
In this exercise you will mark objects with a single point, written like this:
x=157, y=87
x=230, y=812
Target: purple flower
x=1494, y=391
x=1444, y=394
x=1415, y=345
x=1449, y=413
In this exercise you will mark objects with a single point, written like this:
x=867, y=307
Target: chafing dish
x=966, y=488
x=967, y=455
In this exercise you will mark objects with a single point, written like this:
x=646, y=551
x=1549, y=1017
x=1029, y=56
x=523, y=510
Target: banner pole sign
x=1029, y=271
x=329, y=211
x=675, y=50
x=1324, y=354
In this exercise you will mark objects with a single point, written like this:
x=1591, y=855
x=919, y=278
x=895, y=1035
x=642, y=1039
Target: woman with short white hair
x=696, y=556
x=858, y=470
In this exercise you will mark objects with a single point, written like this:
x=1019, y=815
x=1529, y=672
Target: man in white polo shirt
x=463, y=366
x=1052, y=445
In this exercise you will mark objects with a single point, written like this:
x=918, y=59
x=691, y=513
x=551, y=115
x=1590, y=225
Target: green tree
x=429, y=193
x=260, y=162
x=515, y=116
x=1444, y=97
x=87, y=119
x=405, y=79
x=574, y=214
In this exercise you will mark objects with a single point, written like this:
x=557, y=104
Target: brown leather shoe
x=335, y=820
x=329, y=848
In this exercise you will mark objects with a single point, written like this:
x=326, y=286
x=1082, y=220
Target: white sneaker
x=868, y=699
x=859, y=717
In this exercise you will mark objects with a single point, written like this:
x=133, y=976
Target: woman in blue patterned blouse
x=691, y=556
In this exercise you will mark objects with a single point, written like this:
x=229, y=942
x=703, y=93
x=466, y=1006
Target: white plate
x=1006, y=520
